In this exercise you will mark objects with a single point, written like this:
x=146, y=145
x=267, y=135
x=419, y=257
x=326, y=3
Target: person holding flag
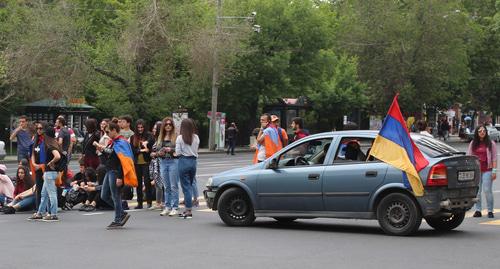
x=393, y=145
x=119, y=171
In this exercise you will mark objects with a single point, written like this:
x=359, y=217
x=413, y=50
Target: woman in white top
x=186, y=149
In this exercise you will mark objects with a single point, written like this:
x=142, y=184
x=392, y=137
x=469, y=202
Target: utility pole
x=215, y=80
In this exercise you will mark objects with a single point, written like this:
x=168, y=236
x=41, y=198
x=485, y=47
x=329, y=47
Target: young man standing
x=124, y=122
x=23, y=136
x=231, y=133
x=119, y=171
x=282, y=132
x=268, y=140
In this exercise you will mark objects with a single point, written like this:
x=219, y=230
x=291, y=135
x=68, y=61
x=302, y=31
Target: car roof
x=357, y=132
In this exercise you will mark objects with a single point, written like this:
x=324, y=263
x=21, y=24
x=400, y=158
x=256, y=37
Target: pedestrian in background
x=48, y=203
x=168, y=166
x=298, y=129
x=90, y=157
x=231, y=134
x=154, y=169
x=104, y=138
x=485, y=149
x=6, y=187
x=23, y=136
x=38, y=158
x=422, y=128
x=142, y=143
x=186, y=148
x=281, y=132
x=268, y=141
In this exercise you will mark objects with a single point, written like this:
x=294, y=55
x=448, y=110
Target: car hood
x=237, y=171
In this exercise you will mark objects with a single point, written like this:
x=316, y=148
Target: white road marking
x=92, y=214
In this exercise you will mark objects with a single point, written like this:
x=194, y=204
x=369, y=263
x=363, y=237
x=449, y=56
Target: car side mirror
x=273, y=164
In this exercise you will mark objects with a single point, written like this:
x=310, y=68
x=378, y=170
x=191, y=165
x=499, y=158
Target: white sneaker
x=165, y=212
x=173, y=212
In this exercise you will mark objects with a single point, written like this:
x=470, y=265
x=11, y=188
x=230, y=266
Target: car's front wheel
x=398, y=214
x=448, y=223
x=235, y=208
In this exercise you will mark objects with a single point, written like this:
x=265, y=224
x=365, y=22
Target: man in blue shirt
x=24, y=139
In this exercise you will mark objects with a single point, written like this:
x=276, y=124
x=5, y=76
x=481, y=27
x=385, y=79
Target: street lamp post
x=215, y=70
x=215, y=81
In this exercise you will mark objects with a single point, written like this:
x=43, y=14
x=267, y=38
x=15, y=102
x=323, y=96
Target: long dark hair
x=50, y=137
x=188, y=129
x=138, y=136
x=477, y=141
x=28, y=182
x=91, y=125
x=157, y=125
x=37, y=139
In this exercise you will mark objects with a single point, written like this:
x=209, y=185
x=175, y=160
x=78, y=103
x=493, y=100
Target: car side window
x=354, y=149
x=311, y=152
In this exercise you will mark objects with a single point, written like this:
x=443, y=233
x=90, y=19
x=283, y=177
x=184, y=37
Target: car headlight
x=209, y=182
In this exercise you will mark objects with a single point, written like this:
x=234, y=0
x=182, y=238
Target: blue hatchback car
x=330, y=175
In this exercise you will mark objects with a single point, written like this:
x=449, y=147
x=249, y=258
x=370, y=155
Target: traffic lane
x=206, y=242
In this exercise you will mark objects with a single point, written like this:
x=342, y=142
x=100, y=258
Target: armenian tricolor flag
x=124, y=152
x=393, y=145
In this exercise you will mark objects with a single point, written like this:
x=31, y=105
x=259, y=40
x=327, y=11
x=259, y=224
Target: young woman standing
x=154, y=169
x=186, y=148
x=49, y=189
x=485, y=149
x=142, y=143
x=168, y=166
x=38, y=157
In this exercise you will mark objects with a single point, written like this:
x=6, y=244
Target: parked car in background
x=332, y=175
x=2, y=150
x=492, y=132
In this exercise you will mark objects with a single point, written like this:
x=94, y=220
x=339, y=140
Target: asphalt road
x=80, y=240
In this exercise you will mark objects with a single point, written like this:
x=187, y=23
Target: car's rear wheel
x=235, y=208
x=442, y=223
x=398, y=214
x=285, y=220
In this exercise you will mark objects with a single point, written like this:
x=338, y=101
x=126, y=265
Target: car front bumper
x=209, y=198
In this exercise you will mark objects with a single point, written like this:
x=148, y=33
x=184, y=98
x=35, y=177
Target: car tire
x=441, y=223
x=285, y=220
x=398, y=214
x=235, y=208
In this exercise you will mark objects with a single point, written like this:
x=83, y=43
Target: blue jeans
x=194, y=185
x=168, y=171
x=26, y=204
x=49, y=194
x=4, y=200
x=23, y=155
x=110, y=193
x=187, y=173
x=485, y=185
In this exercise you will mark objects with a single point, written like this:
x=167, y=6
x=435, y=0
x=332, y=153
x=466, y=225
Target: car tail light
x=438, y=176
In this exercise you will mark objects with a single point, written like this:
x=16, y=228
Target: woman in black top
x=142, y=143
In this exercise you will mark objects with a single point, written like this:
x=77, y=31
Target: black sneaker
x=477, y=214
x=114, y=225
x=490, y=215
x=138, y=207
x=186, y=215
x=125, y=218
x=90, y=208
x=9, y=210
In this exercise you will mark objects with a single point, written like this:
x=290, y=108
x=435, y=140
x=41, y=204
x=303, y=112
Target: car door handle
x=313, y=177
x=371, y=173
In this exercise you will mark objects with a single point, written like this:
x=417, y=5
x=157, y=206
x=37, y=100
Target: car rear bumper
x=445, y=200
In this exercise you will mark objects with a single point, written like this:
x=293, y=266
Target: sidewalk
x=9, y=159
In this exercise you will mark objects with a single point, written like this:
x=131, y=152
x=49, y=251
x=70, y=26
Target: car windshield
x=433, y=147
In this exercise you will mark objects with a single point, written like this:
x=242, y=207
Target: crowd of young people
x=115, y=161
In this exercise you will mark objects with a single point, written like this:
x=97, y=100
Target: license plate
x=465, y=175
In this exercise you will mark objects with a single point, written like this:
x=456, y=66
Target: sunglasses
x=482, y=131
x=39, y=128
x=169, y=124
